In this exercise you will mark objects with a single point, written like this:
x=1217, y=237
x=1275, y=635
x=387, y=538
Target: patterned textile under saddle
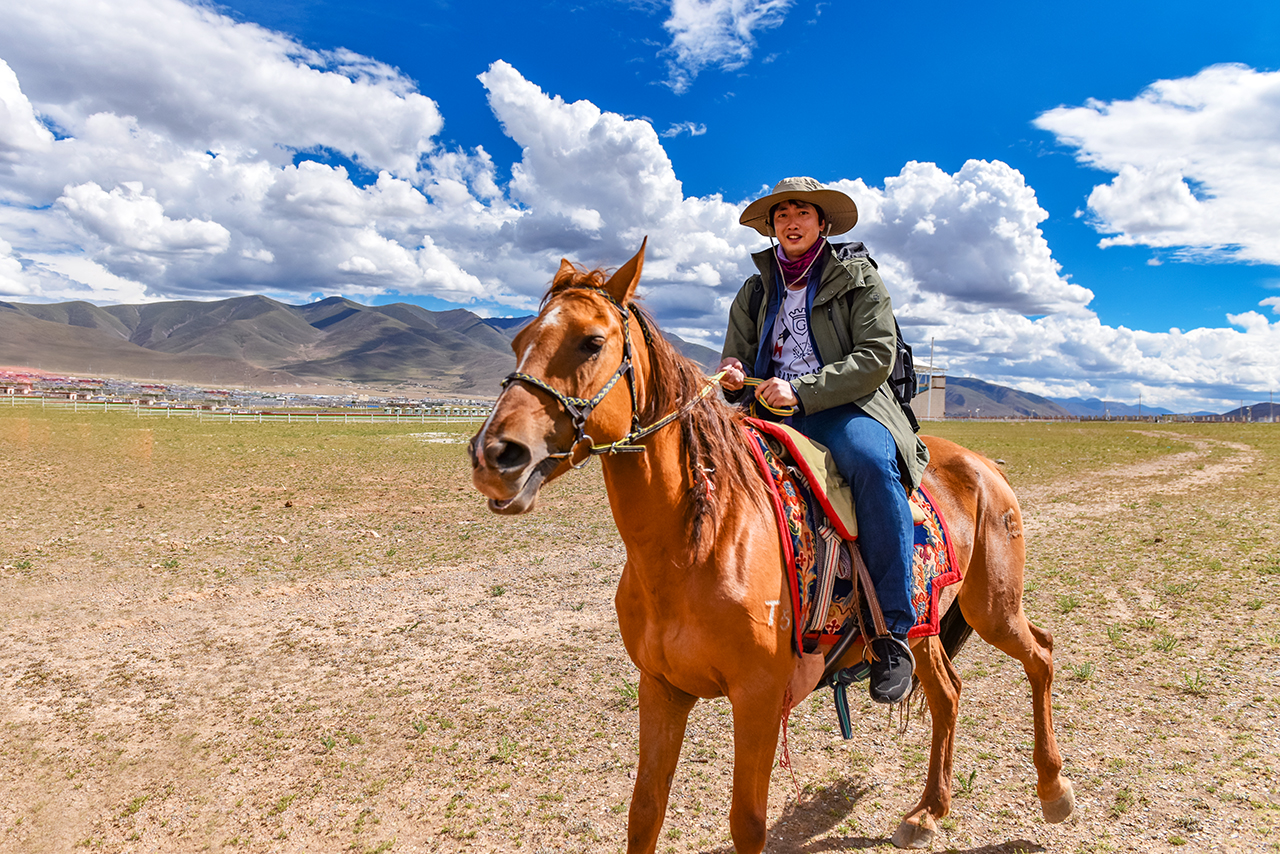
x=815, y=524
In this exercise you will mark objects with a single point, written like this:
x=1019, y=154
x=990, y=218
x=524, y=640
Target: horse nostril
x=508, y=455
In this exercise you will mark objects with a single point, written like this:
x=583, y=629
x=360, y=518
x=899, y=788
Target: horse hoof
x=909, y=835
x=1062, y=808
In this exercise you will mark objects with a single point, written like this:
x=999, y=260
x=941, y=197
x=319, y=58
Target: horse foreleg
x=757, y=717
x=664, y=712
x=941, y=686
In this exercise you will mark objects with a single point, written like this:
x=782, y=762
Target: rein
x=579, y=409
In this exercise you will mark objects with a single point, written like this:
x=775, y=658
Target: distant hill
x=1255, y=412
x=1101, y=408
x=967, y=396
x=257, y=341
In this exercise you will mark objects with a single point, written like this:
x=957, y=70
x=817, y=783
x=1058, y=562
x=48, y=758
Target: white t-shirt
x=793, y=354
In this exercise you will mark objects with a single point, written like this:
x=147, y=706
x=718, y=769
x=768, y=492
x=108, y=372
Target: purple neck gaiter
x=793, y=271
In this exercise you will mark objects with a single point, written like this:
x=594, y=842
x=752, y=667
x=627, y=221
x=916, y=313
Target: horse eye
x=593, y=345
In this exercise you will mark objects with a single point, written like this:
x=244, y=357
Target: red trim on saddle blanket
x=946, y=579
x=817, y=480
x=780, y=516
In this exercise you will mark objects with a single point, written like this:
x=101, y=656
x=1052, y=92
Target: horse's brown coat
x=702, y=603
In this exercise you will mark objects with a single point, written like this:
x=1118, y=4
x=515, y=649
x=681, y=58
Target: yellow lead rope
x=782, y=411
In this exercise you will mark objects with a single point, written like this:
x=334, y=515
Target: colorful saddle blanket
x=815, y=534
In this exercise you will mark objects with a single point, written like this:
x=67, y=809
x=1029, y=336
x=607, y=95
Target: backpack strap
x=757, y=297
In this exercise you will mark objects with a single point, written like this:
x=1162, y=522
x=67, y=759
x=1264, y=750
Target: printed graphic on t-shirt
x=793, y=354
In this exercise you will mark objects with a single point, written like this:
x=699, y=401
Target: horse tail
x=953, y=630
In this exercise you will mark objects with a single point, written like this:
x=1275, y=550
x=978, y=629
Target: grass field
x=243, y=637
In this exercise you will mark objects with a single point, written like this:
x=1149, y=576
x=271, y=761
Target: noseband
x=579, y=409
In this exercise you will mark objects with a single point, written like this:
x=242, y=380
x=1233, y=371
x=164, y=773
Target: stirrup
x=840, y=682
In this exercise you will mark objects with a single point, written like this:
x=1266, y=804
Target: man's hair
x=822, y=215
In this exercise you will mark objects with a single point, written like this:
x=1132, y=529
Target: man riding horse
x=820, y=337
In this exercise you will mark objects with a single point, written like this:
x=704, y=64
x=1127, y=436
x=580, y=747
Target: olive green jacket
x=852, y=325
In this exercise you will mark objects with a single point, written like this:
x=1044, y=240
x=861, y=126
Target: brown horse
x=703, y=601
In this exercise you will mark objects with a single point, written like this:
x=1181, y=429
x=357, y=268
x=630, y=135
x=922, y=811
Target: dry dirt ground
x=294, y=638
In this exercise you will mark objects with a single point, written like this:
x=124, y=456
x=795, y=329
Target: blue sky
x=157, y=150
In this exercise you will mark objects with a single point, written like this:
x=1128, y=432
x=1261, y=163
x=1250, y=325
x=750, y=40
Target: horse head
x=564, y=393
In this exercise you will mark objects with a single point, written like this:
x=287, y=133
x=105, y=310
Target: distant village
x=18, y=384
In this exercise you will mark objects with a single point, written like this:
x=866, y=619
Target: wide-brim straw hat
x=841, y=213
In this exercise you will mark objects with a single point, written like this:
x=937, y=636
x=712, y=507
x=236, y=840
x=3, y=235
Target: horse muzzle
x=505, y=472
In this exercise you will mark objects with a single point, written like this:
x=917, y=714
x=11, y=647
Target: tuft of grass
x=628, y=694
x=1068, y=603
x=1194, y=684
x=282, y=804
x=1165, y=643
x=134, y=805
x=1082, y=672
x=504, y=751
x=1124, y=800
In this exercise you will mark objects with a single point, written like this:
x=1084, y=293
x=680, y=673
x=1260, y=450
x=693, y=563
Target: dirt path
x=215, y=669
x=1108, y=491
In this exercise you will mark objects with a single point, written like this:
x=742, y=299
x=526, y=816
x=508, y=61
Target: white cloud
x=691, y=128
x=716, y=32
x=130, y=218
x=12, y=277
x=966, y=242
x=226, y=87
x=20, y=132
x=1194, y=161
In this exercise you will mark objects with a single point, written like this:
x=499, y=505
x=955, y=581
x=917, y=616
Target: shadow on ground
x=798, y=829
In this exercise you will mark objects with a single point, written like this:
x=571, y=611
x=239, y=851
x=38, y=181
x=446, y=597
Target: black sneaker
x=891, y=670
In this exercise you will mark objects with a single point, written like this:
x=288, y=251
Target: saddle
x=828, y=580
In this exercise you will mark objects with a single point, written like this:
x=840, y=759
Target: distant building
x=930, y=402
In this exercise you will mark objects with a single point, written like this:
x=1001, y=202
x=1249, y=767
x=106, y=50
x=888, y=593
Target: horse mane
x=716, y=457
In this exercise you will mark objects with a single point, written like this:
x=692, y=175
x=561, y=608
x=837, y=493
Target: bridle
x=579, y=409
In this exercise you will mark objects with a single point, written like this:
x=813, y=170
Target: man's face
x=797, y=227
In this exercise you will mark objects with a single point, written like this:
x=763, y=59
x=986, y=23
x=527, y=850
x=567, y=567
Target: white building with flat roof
x=930, y=402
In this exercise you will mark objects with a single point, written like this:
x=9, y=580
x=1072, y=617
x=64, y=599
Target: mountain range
x=978, y=399
x=259, y=342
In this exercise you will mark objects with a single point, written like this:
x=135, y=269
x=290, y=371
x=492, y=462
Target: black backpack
x=902, y=380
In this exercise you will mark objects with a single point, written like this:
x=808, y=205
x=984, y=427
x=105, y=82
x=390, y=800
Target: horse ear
x=622, y=284
x=564, y=274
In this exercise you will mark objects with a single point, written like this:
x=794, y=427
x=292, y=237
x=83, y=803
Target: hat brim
x=840, y=211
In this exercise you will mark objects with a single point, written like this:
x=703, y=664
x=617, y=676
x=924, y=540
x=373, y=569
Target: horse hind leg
x=1000, y=621
x=941, y=685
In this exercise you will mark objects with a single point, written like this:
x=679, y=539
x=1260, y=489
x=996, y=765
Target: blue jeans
x=867, y=456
